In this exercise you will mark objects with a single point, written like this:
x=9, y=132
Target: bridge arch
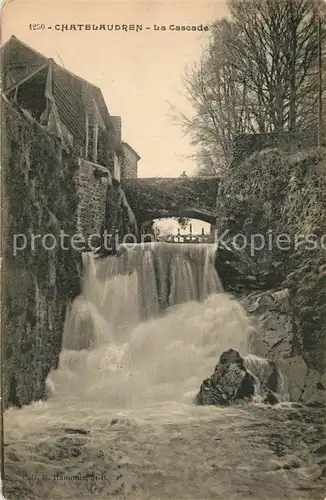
x=158, y=198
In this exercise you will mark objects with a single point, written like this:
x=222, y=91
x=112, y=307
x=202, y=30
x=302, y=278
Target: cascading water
x=138, y=342
x=149, y=326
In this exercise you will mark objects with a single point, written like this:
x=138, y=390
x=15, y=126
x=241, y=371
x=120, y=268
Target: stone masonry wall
x=46, y=190
x=38, y=281
x=129, y=163
x=92, y=198
x=289, y=142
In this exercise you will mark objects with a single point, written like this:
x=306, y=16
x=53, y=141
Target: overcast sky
x=139, y=73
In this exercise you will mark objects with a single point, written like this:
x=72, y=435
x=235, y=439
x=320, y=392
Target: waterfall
x=138, y=284
x=266, y=374
x=148, y=327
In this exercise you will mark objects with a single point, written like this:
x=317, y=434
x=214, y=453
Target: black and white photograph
x=163, y=250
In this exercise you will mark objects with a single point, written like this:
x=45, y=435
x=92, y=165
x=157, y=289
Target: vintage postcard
x=163, y=218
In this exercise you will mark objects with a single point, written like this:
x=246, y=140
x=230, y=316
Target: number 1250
x=35, y=26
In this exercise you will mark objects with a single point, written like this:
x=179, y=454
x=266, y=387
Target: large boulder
x=270, y=313
x=274, y=337
x=230, y=382
x=240, y=274
x=302, y=383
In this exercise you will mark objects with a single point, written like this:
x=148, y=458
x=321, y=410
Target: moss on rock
x=39, y=199
x=272, y=194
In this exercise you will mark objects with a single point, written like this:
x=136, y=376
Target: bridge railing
x=188, y=237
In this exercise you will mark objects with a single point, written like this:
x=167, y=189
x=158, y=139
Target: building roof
x=72, y=94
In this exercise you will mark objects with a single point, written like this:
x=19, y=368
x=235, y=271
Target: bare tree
x=209, y=163
x=217, y=93
x=279, y=44
x=257, y=75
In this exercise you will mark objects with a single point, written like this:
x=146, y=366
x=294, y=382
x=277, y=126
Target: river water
x=120, y=420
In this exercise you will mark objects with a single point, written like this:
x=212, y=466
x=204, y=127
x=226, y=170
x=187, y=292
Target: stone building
x=73, y=110
x=130, y=158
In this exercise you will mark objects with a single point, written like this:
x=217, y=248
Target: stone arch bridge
x=155, y=198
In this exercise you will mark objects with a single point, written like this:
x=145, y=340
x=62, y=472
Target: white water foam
x=137, y=344
x=148, y=327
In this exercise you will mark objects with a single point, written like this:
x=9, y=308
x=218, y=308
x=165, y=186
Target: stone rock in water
x=301, y=383
x=267, y=376
x=270, y=314
x=230, y=382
